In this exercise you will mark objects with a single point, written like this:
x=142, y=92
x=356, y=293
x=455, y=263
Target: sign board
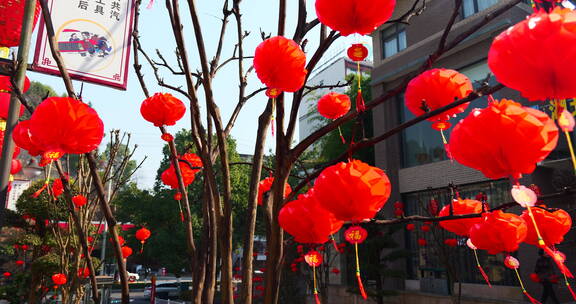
x=93, y=37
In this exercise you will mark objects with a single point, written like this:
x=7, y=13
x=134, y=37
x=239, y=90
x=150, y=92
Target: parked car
x=164, y=290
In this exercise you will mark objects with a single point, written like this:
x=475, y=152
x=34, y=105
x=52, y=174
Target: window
x=431, y=262
x=471, y=7
x=393, y=40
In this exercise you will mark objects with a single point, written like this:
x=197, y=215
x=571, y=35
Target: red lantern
x=79, y=200
x=434, y=89
x=6, y=84
x=307, y=221
x=460, y=207
x=188, y=170
x=313, y=258
x=355, y=235
x=410, y=227
x=335, y=271
x=354, y=16
x=334, y=105
x=499, y=232
x=451, y=242
x=74, y=126
x=7, y=274
x=11, y=14
x=5, y=105
x=120, y=240
x=534, y=278
x=126, y=251
x=425, y=228
x=504, y=139
x=57, y=187
x=357, y=52
x=265, y=185
x=143, y=234
x=280, y=64
x=16, y=149
x=516, y=54
x=162, y=109
x=422, y=242
x=83, y=272
x=511, y=262
x=552, y=226
x=15, y=166
x=59, y=279
x=353, y=191
x=22, y=138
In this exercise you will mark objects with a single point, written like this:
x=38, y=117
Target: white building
x=332, y=72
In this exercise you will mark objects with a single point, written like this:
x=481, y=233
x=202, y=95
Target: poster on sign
x=93, y=37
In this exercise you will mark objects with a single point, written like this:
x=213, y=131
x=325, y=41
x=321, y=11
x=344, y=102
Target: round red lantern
x=313, y=258
x=6, y=84
x=460, y=207
x=79, y=200
x=515, y=56
x=143, y=234
x=22, y=138
x=120, y=240
x=5, y=105
x=11, y=15
x=266, y=184
x=503, y=140
x=15, y=166
x=499, y=232
x=162, y=109
x=353, y=190
x=7, y=274
x=354, y=16
x=126, y=251
x=20, y=263
x=334, y=105
x=451, y=242
x=59, y=279
x=83, y=272
x=410, y=227
x=435, y=89
x=357, y=52
x=74, y=126
x=511, y=262
x=553, y=225
x=422, y=242
x=280, y=64
x=57, y=187
x=188, y=170
x=307, y=221
x=425, y=228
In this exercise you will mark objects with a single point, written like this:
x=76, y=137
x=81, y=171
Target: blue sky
x=121, y=109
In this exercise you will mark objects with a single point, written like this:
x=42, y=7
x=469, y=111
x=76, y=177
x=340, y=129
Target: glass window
x=393, y=40
x=433, y=261
x=471, y=7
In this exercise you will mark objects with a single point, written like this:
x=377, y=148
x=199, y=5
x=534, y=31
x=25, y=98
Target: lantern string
x=532, y=300
x=571, y=148
x=334, y=242
x=360, y=106
x=273, y=115
x=181, y=212
x=46, y=182
x=141, y=247
x=482, y=272
x=344, y=140
x=315, y=285
x=360, y=285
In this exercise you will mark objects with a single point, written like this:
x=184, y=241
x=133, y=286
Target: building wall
x=422, y=36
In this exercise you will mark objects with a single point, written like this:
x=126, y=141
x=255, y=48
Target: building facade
x=419, y=169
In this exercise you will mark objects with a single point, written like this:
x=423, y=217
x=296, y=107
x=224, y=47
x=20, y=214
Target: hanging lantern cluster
x=142, y=235
x=163, y=109
x=11, y=15
x=189, y=165
x=314, y=259
x=348, y=191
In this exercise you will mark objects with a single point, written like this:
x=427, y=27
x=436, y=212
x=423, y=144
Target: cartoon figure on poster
x=85, y=43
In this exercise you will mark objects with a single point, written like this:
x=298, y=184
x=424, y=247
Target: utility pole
x=14, y=109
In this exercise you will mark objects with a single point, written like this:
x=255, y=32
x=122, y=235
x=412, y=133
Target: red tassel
x=532, y=300
x=559, y=261
x=317, y=298
x=272, y=126
x=37, y=193
x=360, y=106
x=571, y=291
x=361, y=287
x=335, y=245
x=485, y=276
x=182, y=216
